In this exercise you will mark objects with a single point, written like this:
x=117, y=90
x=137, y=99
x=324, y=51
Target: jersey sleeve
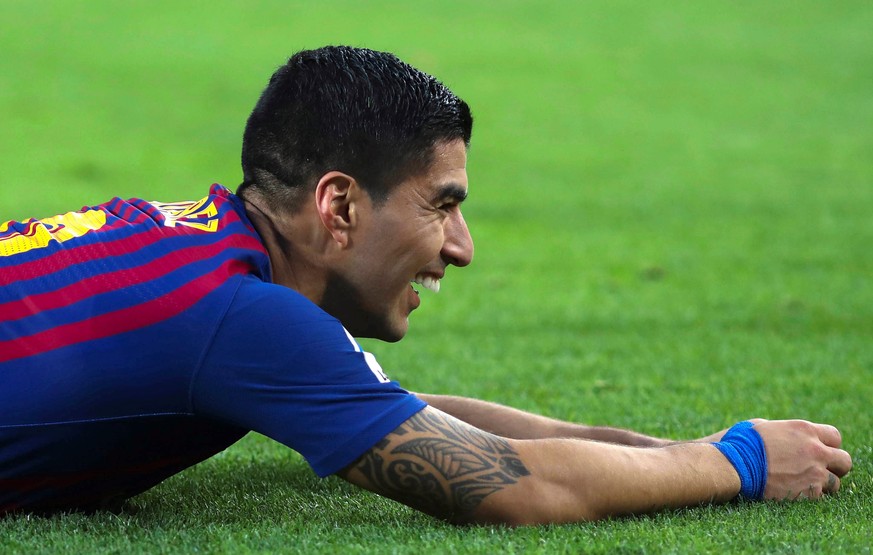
x=281, y=366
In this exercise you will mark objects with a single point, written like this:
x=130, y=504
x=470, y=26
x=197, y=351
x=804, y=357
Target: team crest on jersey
x=199, y=214
x=40, y=233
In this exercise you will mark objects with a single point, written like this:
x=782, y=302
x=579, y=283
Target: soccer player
x=138, y=338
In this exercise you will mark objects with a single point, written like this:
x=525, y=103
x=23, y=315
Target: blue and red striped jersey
x=138, y=338
x=86, y=276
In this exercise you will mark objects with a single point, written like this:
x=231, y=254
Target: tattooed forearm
x=440, y=465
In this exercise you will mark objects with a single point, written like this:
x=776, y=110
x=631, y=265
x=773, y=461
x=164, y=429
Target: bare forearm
x=573, y=480
x=516, y=424
x=449, y=469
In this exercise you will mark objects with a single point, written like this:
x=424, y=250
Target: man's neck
x=294, y=249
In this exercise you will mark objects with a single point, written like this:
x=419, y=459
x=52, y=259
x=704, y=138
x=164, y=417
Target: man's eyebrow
x=452, y=191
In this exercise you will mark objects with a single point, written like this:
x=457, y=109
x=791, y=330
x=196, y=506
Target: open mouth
x=428, y=282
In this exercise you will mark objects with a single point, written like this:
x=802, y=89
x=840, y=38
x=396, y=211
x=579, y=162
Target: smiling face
x=412, y=236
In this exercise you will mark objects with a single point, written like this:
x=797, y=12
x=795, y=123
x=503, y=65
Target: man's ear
x=336, y=198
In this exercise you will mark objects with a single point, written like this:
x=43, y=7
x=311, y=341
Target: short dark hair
x=359, y=111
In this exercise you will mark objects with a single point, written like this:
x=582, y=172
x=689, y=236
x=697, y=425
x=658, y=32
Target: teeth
x=428, y=282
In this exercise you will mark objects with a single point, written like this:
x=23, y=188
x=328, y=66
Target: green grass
x=673, y=209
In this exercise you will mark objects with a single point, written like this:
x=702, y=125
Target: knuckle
x=848, y=458
x=816, y=450
x=838, y=436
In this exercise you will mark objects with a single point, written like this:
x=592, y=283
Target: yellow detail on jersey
x=40, y=233
x=197, y=214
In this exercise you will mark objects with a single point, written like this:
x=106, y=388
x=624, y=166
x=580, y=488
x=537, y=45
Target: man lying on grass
x=139, y=338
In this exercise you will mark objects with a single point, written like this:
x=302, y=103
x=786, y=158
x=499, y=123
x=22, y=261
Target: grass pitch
x=671, y=204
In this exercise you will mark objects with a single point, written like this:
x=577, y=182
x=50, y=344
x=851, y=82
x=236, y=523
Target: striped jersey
x=138, y=338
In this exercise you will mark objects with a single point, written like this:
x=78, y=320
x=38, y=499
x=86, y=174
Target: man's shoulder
x=274, y=304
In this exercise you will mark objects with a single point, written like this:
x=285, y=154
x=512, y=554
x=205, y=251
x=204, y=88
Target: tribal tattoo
x=440, y=465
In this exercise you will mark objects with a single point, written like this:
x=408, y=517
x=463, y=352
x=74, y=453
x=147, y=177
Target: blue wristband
x=744, y=448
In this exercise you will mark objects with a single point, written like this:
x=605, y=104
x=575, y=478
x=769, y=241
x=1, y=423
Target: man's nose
x=458, y=247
